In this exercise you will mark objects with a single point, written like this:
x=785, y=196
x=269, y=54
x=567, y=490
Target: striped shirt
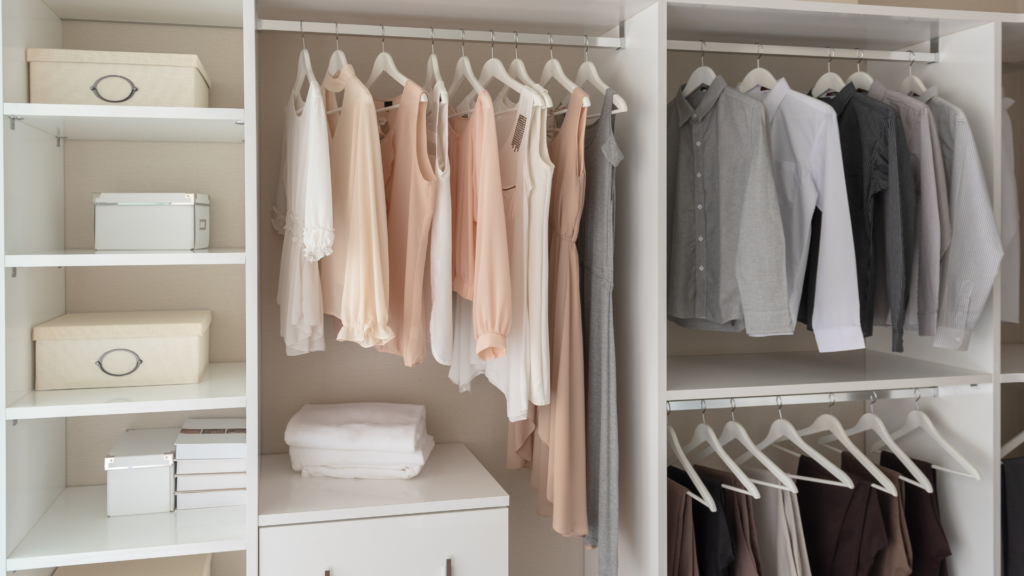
x=879, y=186
x=970, y=265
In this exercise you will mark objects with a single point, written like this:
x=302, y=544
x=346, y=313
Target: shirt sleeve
x=492, y=282
x=837, y=308
x=761, y=249
x=929, y=228
x=900, y=204
x=975, y=249
x=318, y=219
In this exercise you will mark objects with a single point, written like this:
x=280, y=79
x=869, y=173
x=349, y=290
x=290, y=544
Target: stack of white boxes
x=210, y=462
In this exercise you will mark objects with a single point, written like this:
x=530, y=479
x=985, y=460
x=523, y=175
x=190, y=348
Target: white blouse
x=440, y=255
x=541, y=172
x=303, y=214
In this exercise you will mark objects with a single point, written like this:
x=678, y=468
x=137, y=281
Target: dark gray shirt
x=726, y=248
x=880, y=188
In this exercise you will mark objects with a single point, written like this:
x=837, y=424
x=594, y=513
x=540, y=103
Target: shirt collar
x=774, y=97
x=877, y=90
x=708, y=100
x=929, y=94
x=840, y=100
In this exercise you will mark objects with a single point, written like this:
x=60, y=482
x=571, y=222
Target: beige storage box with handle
x=116, y=78
x=108, y=349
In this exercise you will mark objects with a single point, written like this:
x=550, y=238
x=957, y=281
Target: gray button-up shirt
x=726, y=248
x=970, y=265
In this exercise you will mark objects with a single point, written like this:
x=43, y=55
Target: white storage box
x=116, y=78
x=140, y=472
x=157, y=221
x=198, y=565
x=108, y=349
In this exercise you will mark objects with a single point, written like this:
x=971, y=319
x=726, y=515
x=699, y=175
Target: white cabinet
x=476, y=541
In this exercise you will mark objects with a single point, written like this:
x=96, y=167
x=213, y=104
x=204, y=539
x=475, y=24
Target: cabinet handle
x=448, y=567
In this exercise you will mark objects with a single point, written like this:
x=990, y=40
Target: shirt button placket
x=701, y=224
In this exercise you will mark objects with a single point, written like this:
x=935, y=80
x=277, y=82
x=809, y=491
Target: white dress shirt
x=808, y=175
x=1010, y=232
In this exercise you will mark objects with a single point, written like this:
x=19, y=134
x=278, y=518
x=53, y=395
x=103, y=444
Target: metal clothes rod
x=826, y=52
x=439, y=34
x=797, y=399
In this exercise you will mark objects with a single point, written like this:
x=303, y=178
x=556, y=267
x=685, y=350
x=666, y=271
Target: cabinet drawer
x=417, y=545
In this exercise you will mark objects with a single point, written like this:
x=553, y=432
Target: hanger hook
x=917, y=399
x=303, y=34
x=551, y=46
x=703, y=409
x=463, y=41
x=831, y=401
x=860, y=58
x=337, y=43
x=913, y=58
x=382, y=38
x=778, y=401
x=831, y=55
x=586, y=48
x=732, y=404
x=760, y=51
x=431, y=39
x=516, y=34
x=703, y=51
x=492, y=43
x=874, y=398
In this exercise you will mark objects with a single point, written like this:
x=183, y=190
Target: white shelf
x=742, y=375
x=126, y=258
x=76, y=530
x=223, y=386
x=198, y=12
x=133, y=123
x=1013, y=363
x=452, y=479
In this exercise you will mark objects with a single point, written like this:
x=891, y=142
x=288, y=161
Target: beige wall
x=348, y=373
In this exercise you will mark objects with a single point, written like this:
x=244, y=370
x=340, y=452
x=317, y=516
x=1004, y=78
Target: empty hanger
x=700, y=77
x=869, y=421
x=434, y=72
x=705, y=496
x=1011, y=445
x=758, y=76
x=305, y=71
x=917, y=419
x=588, y=73
x=829, y=81
x=464, y=73
x=386, y=64
x=493, y=69
x=782, y=429
x=829, y=423
x=735, y=431
x=861, y=80
x=703, y=434
x=553, y=70
x=912, y=85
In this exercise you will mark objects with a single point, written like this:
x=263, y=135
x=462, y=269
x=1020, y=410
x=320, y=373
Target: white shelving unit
x=49, y=522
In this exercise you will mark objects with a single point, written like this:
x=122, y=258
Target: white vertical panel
x=252, y=325
x=638, y=74
x=966, y=74
x=26, y=24
x=35, y=472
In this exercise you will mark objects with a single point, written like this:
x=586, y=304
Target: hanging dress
x=558, y=459
x=302, y=213
x=355, y=276
x=409, y=187
x=440, y=258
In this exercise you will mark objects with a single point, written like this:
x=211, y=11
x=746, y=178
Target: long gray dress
x=596, y=246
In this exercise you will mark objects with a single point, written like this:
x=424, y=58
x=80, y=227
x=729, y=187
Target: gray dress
x=596, y=246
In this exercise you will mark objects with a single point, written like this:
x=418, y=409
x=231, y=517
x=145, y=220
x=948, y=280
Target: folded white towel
x=361, y=426
x=366, y=473
x=315, y=457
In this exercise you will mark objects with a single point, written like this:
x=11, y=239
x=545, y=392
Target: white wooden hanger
x=305, y=71
x=735, y=431
x=553, y=70
x=464, y=73
x=829, y=423
x=1011, y=445
x=386, y=64
x=434, y=72
x=870, y=422
x=912, y=85
x=758, y=76
x=338, y=61
x=917, y=419
x=704, y=496
x=704, y=434
x=702, y=76
x=518, y=71
x=860, y=80
x=829, y=81
x=782, y=429
x=494, y=70
x=588, y=73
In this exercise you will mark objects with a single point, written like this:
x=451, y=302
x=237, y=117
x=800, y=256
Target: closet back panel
x=1013, y=87
x=349, y=373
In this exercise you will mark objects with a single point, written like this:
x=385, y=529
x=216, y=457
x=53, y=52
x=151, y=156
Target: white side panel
x=35, y=473
x=966, y=74
x=969, y=509
x=638, y=74
x=252, y=324
x=27, y=24
x=34, y=187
